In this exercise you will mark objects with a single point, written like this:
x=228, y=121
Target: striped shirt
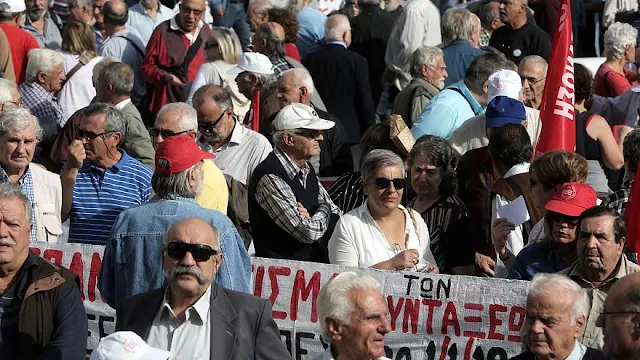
x=99, y=197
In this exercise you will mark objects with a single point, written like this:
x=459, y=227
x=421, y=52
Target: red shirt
x=610, y=83
x=291, y=51
x=21, y=42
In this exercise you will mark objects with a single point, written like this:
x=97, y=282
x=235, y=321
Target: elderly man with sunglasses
x=292, y=216
x=138, y=231
x=193, y=317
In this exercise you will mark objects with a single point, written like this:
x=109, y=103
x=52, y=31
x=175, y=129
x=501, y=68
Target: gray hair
x=169, y=186
x=85, y=3
x=120, y=76
x=617, y=37
x=553, y=284
x=261, y=6
x=379, y=159
x=457, y=24
x=5, y=90
x=424, y=55
x=12, y=190
x=97, y=68
x=334, y=300
x=335, y=28
x=42, y=61
x=278, y=138
x=220, y=95
x=488, y=13
x=301, y=78
x=275, y=45
x=165, y=238
x=18, y=119
x=185, y=112
x=266, y=83
x=114, y=120
x=482, y=67
x=534, y=60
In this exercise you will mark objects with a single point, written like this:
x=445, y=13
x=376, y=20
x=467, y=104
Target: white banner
x=432, y=316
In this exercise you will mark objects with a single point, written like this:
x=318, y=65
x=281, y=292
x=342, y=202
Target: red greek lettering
x=450, y=318
x=494, y=322
x=274, y=272
x=300, y=290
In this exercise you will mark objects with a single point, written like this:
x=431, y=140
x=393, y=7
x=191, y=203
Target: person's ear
x=41, y=77
x=623, y=240
x=288, y=139
x=485, y=87
x=334, y=328
x=304, y=92
x=424, y=69
x=109, y=87
x=579, y=325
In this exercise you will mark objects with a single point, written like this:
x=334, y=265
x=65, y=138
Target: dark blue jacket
x=458, y=56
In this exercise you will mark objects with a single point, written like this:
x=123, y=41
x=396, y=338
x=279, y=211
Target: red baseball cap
x=572, y=199
x=182, y=152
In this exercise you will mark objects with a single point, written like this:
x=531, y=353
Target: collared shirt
x=515, y=241
x=458, y=55
x=99, y=197
x=44, y=106
x=579, y=350
x=484, y=38
x=592, y=336
x=276, y=197
x=280, y=65
x=192, y=36
x=238, y=158
x=191, y=339
x=447, y=111
x=140, y=19
x=619, y=199
x=122, y=104
x=26, y=185
x=337, y=42
x=127, y=46
x=51, y=38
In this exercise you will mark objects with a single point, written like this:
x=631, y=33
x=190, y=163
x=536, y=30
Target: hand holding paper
x=516, y=211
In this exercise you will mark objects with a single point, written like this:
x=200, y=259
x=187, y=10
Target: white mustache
x=5, y=241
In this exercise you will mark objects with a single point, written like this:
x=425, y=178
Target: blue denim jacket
x=132, y=261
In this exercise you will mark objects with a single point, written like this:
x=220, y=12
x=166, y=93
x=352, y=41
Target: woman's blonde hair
x=228, y=44
x=79, y=39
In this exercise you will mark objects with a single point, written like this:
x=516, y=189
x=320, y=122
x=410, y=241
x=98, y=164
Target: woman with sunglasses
x=381, y=233
x=432, y=171
x=557, y=250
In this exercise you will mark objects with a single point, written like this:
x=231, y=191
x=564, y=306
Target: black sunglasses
x=309, y=134
x=81, y=134
x=164, y=133
x=383, y=183
x=210, y=44
x=553, y=216
x=186, y=10
x=208, y=127
x=177, y=250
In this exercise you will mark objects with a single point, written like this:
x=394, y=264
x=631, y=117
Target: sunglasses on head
x=178, y=250
x=164, y=133
x=383, y=183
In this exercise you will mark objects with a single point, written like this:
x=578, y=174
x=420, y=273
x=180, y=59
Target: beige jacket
x=47, y=196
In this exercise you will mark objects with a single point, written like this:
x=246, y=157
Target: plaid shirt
x=44, y=106
x=26, y=185
x=484, y=38
x=276, y=197
x=619, y=199
x=280, y=65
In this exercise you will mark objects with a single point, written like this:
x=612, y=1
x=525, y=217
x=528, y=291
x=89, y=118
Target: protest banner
x=431, y=316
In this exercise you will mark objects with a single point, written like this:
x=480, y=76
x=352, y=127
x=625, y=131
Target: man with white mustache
x=600, y=240
x=42, y=24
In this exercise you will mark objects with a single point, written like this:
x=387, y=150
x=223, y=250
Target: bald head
x=194, y=231
x=620, y=319
x=116, y=14
x=274, y=29
x=338, y=28
x=205, y=93
x=534, y=62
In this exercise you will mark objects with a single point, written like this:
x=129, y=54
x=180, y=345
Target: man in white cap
x=255, y=74
x=291, y=214
x=473, y=135
x=11, y=18
x=126, y=345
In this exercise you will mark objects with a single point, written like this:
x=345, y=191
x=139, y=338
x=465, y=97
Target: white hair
x=5, y=90
x=424, y=55
x=301, y=78
x=18, y=119
x=334, y=301
x=186, y=113
x=553, y=284
x=261, y=6
x=617, y=37
x=534, y=60
x=42, y=61
x=335, y=27
x=457, y=24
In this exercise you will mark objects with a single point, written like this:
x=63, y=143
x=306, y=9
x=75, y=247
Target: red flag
x=557, y=112
x=632, y=214
x=255, y=126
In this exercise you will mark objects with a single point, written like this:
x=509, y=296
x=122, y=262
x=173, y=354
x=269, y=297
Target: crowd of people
x=187, y=137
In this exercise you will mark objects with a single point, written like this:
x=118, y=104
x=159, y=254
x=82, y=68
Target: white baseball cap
x=126, y=345
x=504, y=83
x=252, y=62
x=300, y=116
x=12, y=6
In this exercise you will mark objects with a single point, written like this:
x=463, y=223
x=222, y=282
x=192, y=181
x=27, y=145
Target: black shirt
x=519, y=43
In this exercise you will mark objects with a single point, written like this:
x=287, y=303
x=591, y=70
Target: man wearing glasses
x=100, y=180
x=174, y=53
x=292, y=216
x=601, y=262
x=9, y=95
x=194, y=317
x=620, y=319
x=533, y=72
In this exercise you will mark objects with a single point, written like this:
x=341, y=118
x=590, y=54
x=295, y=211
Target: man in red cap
x=557, y=250
x=139, y=231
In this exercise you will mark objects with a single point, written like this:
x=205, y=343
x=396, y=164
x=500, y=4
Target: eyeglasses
x=208, y=127
x=440, y=69
x=383, y=183
x=309, y=134
x=186, y=10
x=605, y=313
x=531, y=80
x=210, y=44
x=164, y=133
x=7, y=103
x=553, y=216
x=178, y=250
x=81, y=134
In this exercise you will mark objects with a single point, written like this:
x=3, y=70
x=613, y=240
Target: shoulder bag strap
x=465, y=98
x=140, y=52
x=191, y=54
x=82, y=61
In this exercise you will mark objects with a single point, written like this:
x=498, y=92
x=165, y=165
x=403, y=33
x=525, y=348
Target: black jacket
x=591, y=354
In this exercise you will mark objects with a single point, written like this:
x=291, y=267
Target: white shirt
x=140, y=19
x=358, y=240
x=192, y=36
x=78, y=91
x=515, y=242
x=578, y=352
x=192, y=338
x=122, y=104
x=327, y=355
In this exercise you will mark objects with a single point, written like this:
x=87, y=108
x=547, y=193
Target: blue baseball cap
x=504, y=110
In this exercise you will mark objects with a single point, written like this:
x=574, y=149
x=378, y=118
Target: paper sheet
x=516, y=211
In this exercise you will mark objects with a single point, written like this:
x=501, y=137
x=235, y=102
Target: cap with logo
x=300, y=116
x=181, y=152
x=253, y=62
x=12, y=6
x=503, y=110
x=504, y=83
x=126, y=345
x=572, y=199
